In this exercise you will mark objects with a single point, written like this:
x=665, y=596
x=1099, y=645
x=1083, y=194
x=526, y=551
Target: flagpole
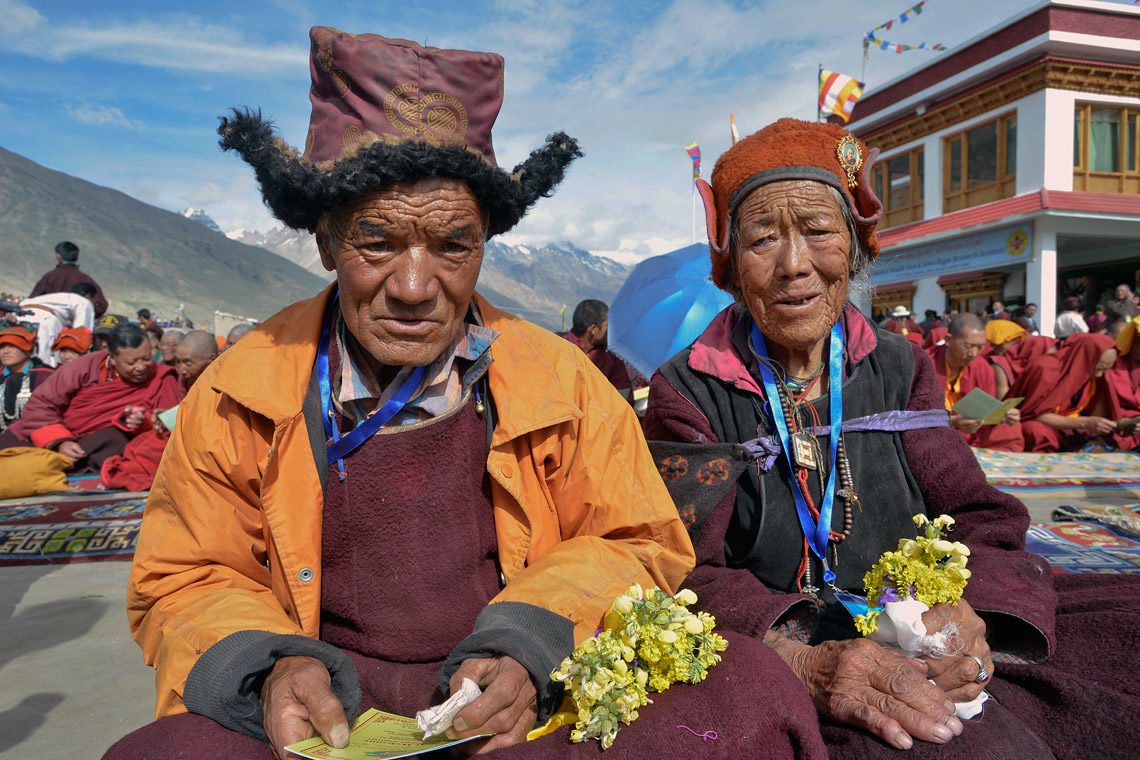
x=693, y=215
x=818, y=77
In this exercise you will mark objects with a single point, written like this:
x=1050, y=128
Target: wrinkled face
x=167, y=345
x=1107, y=359
x=189, y=363
x=962, y=350
x=68, y=355
x=406, y=261
x=793, y=261
x=134, y=364
x=12, y=356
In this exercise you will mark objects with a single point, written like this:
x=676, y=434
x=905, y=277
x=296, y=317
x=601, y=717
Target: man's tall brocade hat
x=790, y=149
x=388, y=111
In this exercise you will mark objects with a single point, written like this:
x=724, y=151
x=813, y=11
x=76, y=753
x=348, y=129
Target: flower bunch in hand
x=649, y=641
x=928, y=568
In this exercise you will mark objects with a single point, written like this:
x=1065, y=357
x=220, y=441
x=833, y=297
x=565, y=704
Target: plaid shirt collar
x=357, y=393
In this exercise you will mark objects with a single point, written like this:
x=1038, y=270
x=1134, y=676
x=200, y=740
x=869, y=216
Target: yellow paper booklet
x=377, y=735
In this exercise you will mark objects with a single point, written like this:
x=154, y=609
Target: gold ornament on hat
x=850, y=158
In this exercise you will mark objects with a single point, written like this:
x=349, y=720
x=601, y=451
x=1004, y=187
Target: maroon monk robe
x=934, y=337
x=895, y=326
x=979, y=374
x=1058, y=383
x=1014, y=361
x=607, y=362
x=86, y=395
x=1123, y=383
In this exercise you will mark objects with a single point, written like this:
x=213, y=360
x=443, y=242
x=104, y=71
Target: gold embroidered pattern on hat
x=438, y=114
x=850, y=158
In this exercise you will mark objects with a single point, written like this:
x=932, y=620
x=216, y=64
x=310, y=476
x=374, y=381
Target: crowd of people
x=90, y=385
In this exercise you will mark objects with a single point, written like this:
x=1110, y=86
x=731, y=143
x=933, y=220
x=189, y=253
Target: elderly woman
x=781, y=530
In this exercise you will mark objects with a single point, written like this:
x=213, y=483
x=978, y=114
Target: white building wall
x=928, y=295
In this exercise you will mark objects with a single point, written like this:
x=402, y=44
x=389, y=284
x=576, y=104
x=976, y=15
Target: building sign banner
x=993, y=248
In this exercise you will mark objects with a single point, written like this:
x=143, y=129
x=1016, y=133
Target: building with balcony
x=1009, y=166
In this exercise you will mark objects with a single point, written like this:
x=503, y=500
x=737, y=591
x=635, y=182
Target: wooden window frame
x=913, y=210
x=1005, y=186
x=1124, y=182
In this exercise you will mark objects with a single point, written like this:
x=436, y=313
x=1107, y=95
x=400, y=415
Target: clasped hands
x=298, y=703
x=861, y=683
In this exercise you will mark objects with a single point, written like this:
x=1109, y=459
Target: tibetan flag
x=735, y=134
x=838, y=93
x=694, y=152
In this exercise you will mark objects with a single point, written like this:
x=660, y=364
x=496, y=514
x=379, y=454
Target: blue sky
x=127, y=94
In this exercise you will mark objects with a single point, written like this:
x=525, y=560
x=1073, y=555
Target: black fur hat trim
x=298, y=193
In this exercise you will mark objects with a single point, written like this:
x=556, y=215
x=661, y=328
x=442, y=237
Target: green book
x=979, y=405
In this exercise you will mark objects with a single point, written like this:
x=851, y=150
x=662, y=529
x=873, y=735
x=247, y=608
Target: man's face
x=962, y=350
x=1122, y=292
x=1031, y=310
x=12, y=356
x=189, y=363
x=998, y=306
x=1107, y=359
x=134, y=364
x=68, y=355
x=406, y=261
x=792, y=263
x=167, y=345
x=154, y=341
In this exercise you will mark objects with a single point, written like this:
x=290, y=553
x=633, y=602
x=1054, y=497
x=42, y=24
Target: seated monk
x=960, y=368
x=193, y=354
x=1067, y=402
x=23, y=372
x=1009, y=364
x=751, y=411
x=90, y=408
x=394, y=486
x=1123, y=381
x=72, y=343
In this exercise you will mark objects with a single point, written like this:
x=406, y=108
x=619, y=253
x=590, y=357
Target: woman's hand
x=958, y=674
x=861, y=683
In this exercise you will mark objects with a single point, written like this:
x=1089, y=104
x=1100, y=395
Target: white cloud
x=18, y=18
x=101, y=116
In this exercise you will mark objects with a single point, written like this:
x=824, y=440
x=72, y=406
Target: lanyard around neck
x=339, y=447
x=816, y=533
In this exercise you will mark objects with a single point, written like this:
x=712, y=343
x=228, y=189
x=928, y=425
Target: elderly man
x=167, y=345
x=236, y=333
x=900, y=322
x=401, y=486
x=961, y=367
x=193, y=354
x=1123, y=303
x=66, y=274
x=90, y=408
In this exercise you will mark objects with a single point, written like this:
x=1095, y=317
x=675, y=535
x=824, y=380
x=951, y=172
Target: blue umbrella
x=665, y=304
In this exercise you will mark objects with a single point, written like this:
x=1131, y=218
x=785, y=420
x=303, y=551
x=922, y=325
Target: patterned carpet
x=79, y=527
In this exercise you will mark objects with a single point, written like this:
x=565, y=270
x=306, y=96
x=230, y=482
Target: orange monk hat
x=17, y=336
x=1127, y=335
x=999, y=331
x=75, y=338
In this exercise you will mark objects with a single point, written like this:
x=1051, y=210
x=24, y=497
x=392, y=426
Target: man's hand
x=1013, y=416
x=508, y=707
x=298, y=703
x=133, y=417
x=957, y=674
x=860, y=683
x=965, y=424
x=1098, y=425
x=71, y=450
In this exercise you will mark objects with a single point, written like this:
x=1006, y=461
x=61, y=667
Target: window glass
x=1130, y=142
x=1077, y=137
x=877, y=183
x=981, y=152
x=1104, y=140
x=956, y=164
x=898, y=169
x=1011, y=145
x=920, y=174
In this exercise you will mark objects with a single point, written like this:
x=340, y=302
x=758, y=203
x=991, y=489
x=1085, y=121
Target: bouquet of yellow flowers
x=928, y=569
x=649, y=640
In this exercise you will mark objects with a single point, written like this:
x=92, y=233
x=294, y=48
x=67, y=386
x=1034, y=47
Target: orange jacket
x=231, y=537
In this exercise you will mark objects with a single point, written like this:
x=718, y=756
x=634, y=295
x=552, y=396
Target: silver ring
x=983, y=674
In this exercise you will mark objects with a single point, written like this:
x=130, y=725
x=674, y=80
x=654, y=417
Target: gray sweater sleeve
x=225, y=683
x=534, y=636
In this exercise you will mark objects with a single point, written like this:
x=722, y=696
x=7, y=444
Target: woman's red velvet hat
x=20, y=337
x=790, y=149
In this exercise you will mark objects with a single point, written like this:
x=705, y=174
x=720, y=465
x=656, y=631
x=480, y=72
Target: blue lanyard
x=342, y=447
x=816, y=533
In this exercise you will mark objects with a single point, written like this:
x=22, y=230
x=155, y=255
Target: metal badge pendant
x=803, y=451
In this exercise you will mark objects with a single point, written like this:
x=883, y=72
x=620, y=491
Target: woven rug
x=1084, y=547
x=83, y=527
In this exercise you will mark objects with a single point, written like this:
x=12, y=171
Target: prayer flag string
x=872, y=40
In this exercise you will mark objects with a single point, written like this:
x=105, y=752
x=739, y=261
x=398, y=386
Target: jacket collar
x=268, y=371
x=719, y=351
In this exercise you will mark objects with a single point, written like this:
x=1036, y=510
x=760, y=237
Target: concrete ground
x=72, y=681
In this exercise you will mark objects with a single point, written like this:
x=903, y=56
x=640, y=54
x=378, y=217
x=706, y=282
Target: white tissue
x=901, y=628
x=436, y=720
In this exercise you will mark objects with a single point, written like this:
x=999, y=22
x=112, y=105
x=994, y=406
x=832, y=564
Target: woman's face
x=793, y=261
